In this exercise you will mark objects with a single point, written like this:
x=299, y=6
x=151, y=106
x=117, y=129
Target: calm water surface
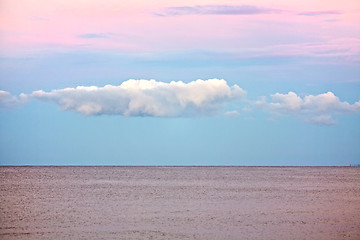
x=180, y=203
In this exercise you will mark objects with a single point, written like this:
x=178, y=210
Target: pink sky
x=133, y=27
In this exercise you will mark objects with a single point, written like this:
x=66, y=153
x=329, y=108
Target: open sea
x=180, y=203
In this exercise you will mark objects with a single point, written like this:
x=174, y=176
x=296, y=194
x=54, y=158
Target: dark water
x=180, y=203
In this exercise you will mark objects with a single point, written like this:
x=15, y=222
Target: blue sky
x=282, y=89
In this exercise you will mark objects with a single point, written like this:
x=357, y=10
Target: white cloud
x=146, y=98
x=233, y=113
x=316, y=109
x=321, y=120
x=9, y=101
x=179, y=99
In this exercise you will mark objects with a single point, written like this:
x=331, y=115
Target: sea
x=179, y=202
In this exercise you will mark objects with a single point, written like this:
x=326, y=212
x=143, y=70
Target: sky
x=201, y=82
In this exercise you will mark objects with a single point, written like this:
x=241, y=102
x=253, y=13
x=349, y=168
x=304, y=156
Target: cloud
x=93, y=35
x=331, y=20
x=346, y=48
x=232, y=113
x=234, y=10
x=321, y=120
x=178, y=99
x=319, y=13
x=146, y=98
x=9, y=101
x=316, y=109
x=216, y=10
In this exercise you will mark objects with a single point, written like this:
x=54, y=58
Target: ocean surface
x=180, y=203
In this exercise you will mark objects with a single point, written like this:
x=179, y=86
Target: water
x=179, y=203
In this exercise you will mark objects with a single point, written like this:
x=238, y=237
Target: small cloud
x=316, y=109
x=94, y=35
x=320, y=13
x=321, y=120
x=9, y=101
x=216, y=10
x=232, y=113
x=331, y=20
